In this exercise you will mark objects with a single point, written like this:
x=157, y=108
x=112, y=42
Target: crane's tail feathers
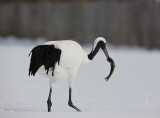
x=29, y=53
x=46, y=55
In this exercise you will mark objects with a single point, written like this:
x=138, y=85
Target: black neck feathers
x=46, y=55
x=94, y=51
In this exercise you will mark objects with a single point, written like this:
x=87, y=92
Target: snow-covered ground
x=133, y=91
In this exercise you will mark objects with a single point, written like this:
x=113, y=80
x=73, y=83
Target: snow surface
x=133, y=90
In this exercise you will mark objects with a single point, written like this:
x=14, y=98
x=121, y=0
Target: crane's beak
x=110, y=60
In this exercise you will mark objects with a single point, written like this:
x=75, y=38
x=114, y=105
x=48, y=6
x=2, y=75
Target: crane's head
x=100, y=42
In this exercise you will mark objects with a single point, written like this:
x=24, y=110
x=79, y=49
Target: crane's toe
x=74, y=107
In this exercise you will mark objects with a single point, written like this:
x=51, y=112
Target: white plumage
x=72, y=56
x=66, y=58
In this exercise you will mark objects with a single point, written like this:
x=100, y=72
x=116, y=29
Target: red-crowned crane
x=62, y=59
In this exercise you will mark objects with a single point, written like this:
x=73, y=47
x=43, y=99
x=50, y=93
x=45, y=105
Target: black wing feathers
x=46, y=55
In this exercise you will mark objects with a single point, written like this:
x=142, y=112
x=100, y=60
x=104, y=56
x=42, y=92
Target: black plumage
x=46, y=55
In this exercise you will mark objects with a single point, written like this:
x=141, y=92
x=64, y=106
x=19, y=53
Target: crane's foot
x=74, y=107
x=49, y=105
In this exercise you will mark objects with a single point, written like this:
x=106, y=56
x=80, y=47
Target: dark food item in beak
x=110, y=60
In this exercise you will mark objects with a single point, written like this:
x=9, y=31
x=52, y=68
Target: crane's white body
x=72, y=56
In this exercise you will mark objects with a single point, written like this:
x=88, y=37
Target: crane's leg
x=70, y=100
x=49, y=100
x=49, y=103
